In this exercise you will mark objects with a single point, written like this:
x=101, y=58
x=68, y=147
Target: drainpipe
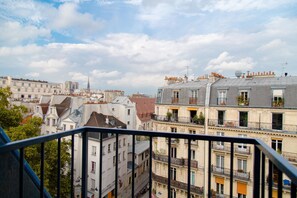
x=206, y=111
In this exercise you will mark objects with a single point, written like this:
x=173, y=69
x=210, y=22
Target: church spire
x=88, y=86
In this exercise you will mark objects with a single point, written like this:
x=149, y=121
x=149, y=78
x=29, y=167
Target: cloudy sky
x=133, y=44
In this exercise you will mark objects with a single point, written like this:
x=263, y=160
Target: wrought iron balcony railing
x=187, y=120
x=261, y=152
x=253, y=125
x=241, y=149
x=175, y=161
x=239, y=174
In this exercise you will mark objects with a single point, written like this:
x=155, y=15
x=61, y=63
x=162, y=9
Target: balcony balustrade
x=239, y=174
x=174, y=100
x=240, y=149
x=179, y=119
x=222, y=101
x=175, y=161
x=252, y=125
x=261, y=152
x=193, y=100
x=292, y=157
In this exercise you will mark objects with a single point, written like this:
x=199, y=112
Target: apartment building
x=256, y=105
x=30, y=90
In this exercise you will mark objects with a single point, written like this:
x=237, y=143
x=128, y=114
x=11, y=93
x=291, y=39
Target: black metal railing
x=240, y=149
x=175, y=161
x=179, y=119
x=253, y=125
x=239, y=174
x=261, y=152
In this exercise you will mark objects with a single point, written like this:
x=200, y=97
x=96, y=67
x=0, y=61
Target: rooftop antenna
x=283, y=68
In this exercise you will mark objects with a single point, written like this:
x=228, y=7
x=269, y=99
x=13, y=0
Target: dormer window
x=159, y=95
x=222, y=97
x=175, y=96
x=193, y=98
x=243, y=98
x=278, y=98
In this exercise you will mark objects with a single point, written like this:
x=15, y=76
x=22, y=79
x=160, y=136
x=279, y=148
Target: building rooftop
x=140, y=147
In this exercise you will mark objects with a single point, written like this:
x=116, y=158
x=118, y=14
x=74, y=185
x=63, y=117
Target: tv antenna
x=283, y=68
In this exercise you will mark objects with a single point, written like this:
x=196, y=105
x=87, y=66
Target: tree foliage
x=10, y=119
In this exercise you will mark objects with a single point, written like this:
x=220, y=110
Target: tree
x=10, y=120
x=10, y=115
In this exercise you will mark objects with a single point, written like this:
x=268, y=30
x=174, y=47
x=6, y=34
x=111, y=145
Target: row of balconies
x=175, y=161
x=240, y=149
x=241, y=101
x=178, y=184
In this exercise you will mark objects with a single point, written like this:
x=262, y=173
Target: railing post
x=84, y=172
x=59, y=169
x=151, y=169
x=21, y=172
x=72, y=166
x=280, y=184
x=133, y=165
x=116, y=166
x=189, y=167
x=169, y=168
x=256, y=184
x=101, y=164
x=41, y=170
x=231, y=169
x=209, y=168
x=293, y=190
x=270, y=182
x=263, y=176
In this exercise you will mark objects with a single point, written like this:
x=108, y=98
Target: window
x=120, y=145
x=172, y=193
x=29, y=84
x=142, y=156
x=114, y=160
x=243, y=119
x=23, y=84
x=173, y=129
x=175, y=96
x=221, y=115
x=128, y=123
x=124, y=142
x=173, y=152
x=243, y=98
x=48, y=122
x=277, y=121
x=241, y=165
x=220, y=189
x=93, y=168
x=94, y=150
x=114, y=146
x=241, y=195
x=159, y=95
x=93, y=184
x=220, y=144
x=173, y=173
x=108, y=147
x=119, y=157
x=222, y=97
x=193, y=154
x=193, y=97
x=54, y=122
x=242, y=146
x=128, y=111
x=71, y=126
x=124, y=155
x=220, y=162
x=64, y=127
x=278, y=99
x=192, y=177
x=276, y=144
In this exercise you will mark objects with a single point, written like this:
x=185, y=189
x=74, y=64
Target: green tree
x=10, y=120
x=10, y=115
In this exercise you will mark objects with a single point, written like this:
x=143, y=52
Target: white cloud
x=103, y=74
x=226, y=62
x=49, y=66
x=77, y=76
x=272, y=45
x=32, y=74
x=14, y=33
x=68, y=18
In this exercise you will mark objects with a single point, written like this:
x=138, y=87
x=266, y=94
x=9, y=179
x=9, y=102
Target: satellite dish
x=238, y=74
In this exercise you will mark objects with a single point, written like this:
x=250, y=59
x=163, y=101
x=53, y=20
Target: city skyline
x=132, y=45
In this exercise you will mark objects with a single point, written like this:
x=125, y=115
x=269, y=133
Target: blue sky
x=133, y=44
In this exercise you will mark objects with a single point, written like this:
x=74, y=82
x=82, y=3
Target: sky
x=132, y=45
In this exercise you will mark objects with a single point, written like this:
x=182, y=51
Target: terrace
x=15, y=185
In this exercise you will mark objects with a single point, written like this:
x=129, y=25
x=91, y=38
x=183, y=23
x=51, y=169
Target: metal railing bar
x=21, y=172
x=84, y=176
x=293, y=190
x=270, y=180
x=189, y=168
x=256, y=183
x=101, y=164
x=279, y=184
x=209, y=169
x=263, y=176
x=151, y=166
x=231, y=169
x=59, y=168
x=72, y=167
x=133, y=164
x=41, y=170
x=116, y=167
x=169, y=168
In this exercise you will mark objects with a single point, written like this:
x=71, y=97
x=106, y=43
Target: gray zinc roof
x=189, y=84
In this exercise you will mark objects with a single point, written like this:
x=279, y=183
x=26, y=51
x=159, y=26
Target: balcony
x=175, y=161
x=222, y=101
x=238, y=174
x=174, y=100
x=185, y=120
x=193, y=100
x=239, y=149
x=292, y=157
x=277, y=103
x=178, y=184
x=14, y=176
x=253, y=125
